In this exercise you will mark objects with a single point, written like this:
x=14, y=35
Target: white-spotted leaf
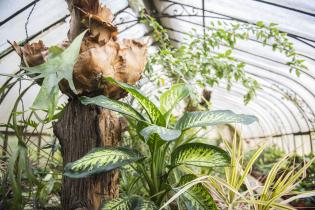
x=170, y=98
x=200, y=119
x=164, y=133
x=128, y=203
x=101, y=160
x=153, y=112
x=199, y=154
x=197, y=197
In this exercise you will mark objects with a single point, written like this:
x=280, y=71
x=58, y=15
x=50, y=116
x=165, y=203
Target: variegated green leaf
x=128, y=203
x=164, y=133
x=101, y=160
x=199, y=119
x=114, y=105
x=170, y=98
x=154, y=113
x=199, y=154
x=197, y=197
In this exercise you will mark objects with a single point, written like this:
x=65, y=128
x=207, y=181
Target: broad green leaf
x=199, y=119
x=47, y=97
x=197, y=197
x=101, y=160
x=199, y=154
x=58, y=66
x=114, y=105
x=170, y=98
x=164, y=133
x=154, y=113
x=128, y=203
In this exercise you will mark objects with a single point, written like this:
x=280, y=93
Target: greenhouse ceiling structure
x=285, y=104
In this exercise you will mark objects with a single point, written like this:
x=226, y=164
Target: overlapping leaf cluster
x=208, y=60
x=169, y=151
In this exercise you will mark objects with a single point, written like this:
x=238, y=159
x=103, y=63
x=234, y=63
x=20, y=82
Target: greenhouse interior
x=157, y=104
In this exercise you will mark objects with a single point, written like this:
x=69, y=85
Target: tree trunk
x=80, y=129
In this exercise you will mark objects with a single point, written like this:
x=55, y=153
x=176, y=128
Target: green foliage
x=268, y=158
x=165, y=134
x=23, y=188
x=207, y=60
x=114, y=105
x=199, y=119
x=170, y=98
x=199, y=154
x=168, y=150
x=128, y=203
x=153, y=112
x=272, y=155
x=238, y=190
x=197, y=197
x=58, y=66
x=101, y=160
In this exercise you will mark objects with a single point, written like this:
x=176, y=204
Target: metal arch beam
x=10, y=49
x=242, y=50
x=235, y=105
x=266, y=127
x=283, y=137
x=267, y=121
x=304, y=116
x=276, y=112
x=265, y=102
x=285, y=7
x=294, y=36
x=286, y=107
x=287, y=87
x=275, y=104
x=281, y=134
x=274, y=121
x=18, y=12
x=251, y=39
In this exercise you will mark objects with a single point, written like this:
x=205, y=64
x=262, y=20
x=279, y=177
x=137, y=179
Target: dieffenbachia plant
x=168, y=149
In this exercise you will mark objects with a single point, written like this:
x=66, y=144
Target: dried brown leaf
x=32, y=54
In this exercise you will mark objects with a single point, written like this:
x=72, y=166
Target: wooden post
x=80, y=129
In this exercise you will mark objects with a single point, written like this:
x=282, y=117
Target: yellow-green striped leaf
x=164, y=133
x=199, y=119
x=197, y=197
x=101, y=160
x=170, y=98
x=128, y=203
x=114, y=105
x=199, y=154
x=154, y=113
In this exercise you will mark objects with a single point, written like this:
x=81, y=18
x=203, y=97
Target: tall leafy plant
x=209, y=59
x=20, y=175
x=236, y=189
x=169, y=151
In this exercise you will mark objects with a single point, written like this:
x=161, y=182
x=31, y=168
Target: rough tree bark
x=80, y=129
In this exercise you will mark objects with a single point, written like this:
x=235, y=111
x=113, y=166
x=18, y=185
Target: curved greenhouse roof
x=285, y=105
